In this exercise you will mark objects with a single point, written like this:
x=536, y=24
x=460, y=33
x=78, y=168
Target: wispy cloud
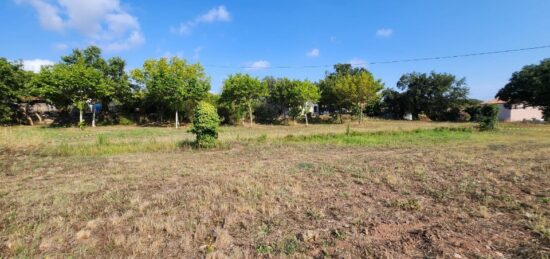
x=102, y=22
x=313, y=53
x=35, y=65
x=384, y=32
x=358, y=62
x=197, y=52
x=216, y=14
x=258, y=65
x=60, y=46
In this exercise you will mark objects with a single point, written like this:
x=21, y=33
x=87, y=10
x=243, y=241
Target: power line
x=391, y=61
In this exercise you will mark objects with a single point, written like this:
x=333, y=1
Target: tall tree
x=116, y=82
x=348, y=87
x=434, y=94
x=530, y=87
x=303, y=95
x=169, y=83
x=71, y=84
x=279, y=90
x=243, y=90
x=13, y=81
x=358, y=90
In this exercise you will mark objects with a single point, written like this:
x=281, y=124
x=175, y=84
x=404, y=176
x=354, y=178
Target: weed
x=314, y=214
x=290, y=245
x=264, y=230
x=264, y=249
x=305, y=166
x=339, y=234
x=410, y=204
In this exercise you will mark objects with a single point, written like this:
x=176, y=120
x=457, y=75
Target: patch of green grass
x=290, y=245
x=264, y=249
x=388, y=138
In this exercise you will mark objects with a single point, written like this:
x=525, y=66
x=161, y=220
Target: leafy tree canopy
x=529, y=86
x=433, y=94
x=13, y=82
x=243, y=90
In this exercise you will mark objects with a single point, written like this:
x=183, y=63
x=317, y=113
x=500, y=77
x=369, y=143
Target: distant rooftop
x=494, y=101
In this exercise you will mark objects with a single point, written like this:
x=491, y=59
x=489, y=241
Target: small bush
x=205, y=125
x=487, y=117
x=123, y=120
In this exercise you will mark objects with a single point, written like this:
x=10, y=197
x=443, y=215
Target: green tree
x=71, y=84
x=530, y=86
x=116, y=86
x=348, y=88
x=243, y=90
x=434, y=94
x=279, y=92
x=358, y=89
x=302, y=96
x=13, y=82
x=205, y=124
x=170, y=83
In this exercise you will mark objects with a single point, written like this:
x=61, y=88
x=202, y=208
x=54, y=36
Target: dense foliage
x=13, y=82
x=530, y=86
x=487, y=117
x=348, y=89
x=241, y=92
x=85, y=80
x=170, y=84
x=205, y=125
x=437, y=95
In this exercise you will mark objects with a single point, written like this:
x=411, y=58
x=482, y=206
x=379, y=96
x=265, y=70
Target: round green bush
x=488, y=117
x=206, y=123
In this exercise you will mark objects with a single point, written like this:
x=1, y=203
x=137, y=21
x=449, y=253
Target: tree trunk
x=93, y=116
x=29, y=119
x=305, y=114
x=81, y=120
x=360, y=113
x=177, y=120
x=38, y=116
x=250, y=113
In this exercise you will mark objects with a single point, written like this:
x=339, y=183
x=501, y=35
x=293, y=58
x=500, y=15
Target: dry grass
x=470, y=194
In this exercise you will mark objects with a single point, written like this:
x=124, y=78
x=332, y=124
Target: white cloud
x=357, y=62
x=384, y=32
x=216, y=14
x=332, y=39
x=102, y=22
x=196, y=52
x=258, y=65
x=35, y=65
x=60, y=46
x=313, y=53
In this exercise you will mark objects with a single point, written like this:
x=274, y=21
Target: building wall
x=526, y=113
x=504, y=114
x=518, y=113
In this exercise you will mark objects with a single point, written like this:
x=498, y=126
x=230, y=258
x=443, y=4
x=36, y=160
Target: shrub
x=123, y=120
x=474, y=112
x=266, y=114
x=464, y=117
x=205, y=125
x=487, y=117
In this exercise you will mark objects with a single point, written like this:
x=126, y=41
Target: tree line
x=84, y=84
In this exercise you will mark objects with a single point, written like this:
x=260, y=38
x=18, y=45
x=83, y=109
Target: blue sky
x=226, y=36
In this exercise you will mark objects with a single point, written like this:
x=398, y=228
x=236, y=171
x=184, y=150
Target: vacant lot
x=383, y=189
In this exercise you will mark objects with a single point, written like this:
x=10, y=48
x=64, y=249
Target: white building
x=518, y=112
